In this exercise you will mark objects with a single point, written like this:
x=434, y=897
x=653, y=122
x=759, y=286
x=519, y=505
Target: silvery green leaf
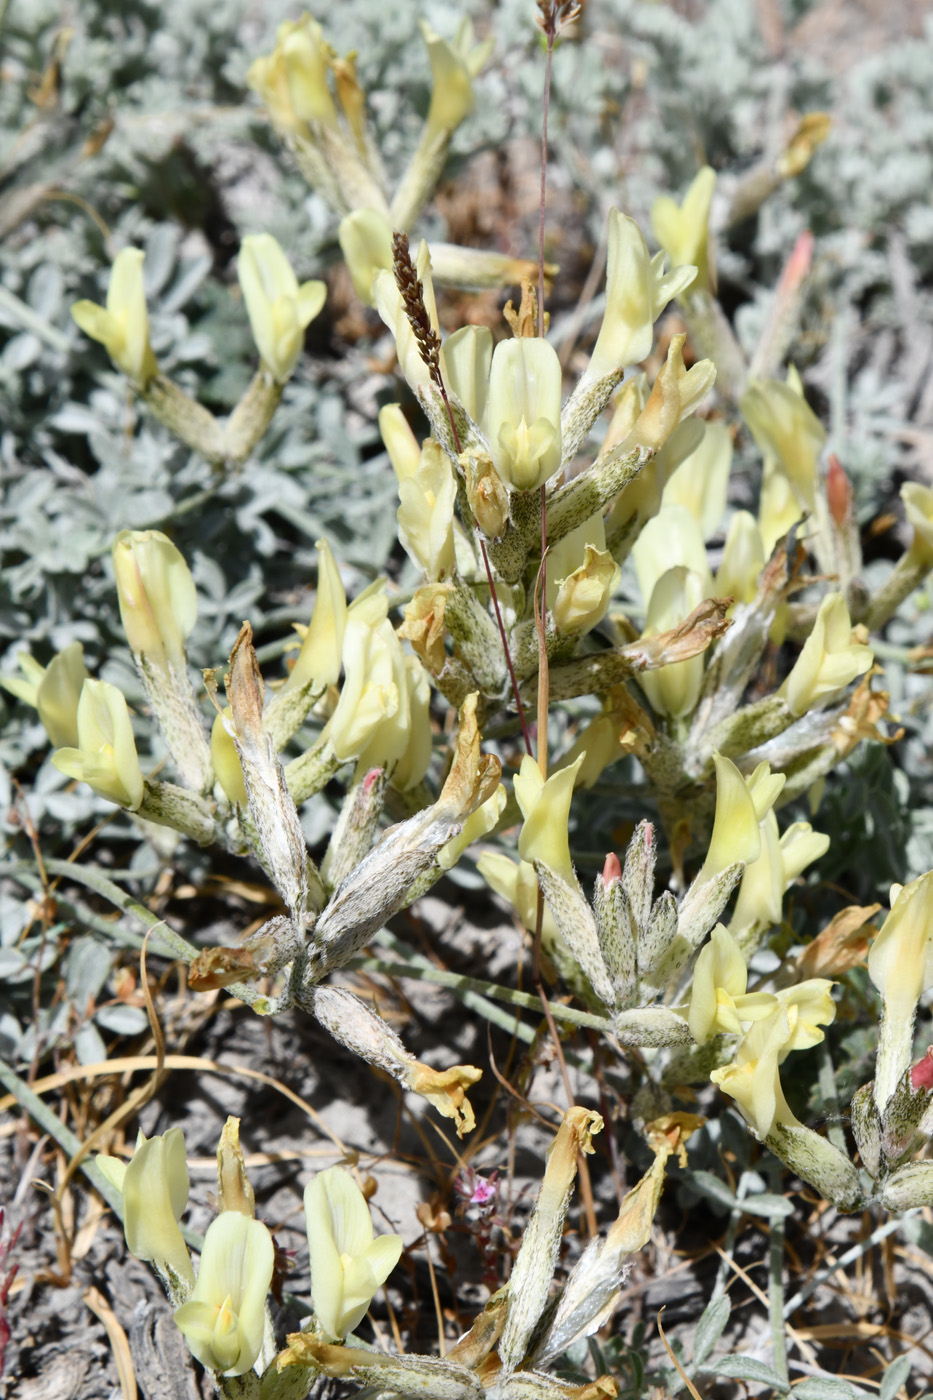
x=88, y=1045
x=710, y=1327
x=894, y=1377
x=829, y=1388
x=122, y=1020
x=746, y=1368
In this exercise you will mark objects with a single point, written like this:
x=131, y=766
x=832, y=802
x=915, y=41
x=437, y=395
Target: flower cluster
x=222, y=1311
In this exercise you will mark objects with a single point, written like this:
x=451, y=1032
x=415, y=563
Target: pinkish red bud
x=921, y=1074
x=838, y=491
x=612, y=870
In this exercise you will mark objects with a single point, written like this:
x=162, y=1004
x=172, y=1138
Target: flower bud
x=158, y=599
x=866, y=1128
x=909, y=1187
x=918, y=508
x=224, y=1319
x=279, y=310
x=637, y=291
x=683, y=229
x=829, y=659
x=225, y=760
x=523, y=413
x=348, y=1264
x=105, y=757
x=488, y=497
x=123, y=327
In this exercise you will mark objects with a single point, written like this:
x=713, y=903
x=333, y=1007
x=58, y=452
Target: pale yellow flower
x=279, y=309
x=830, y=659
x=674, y=689
x=366, y=243
x=122, y=327
x=426, y=512
x=787, y=431
x=468, y=361
x=348, y=1264
x=673, y=538
x=743, y=559
x=637, y=291
x=782, y=859
x=225, y=760
x=224, y=1319
x=718, y=1001
x=741, y=806
x=389, y=304
x=700, y=481
x=105, y=757
x=683, y=229
x=319, y=659
x=900, y=962
x=477, y=825
x=371, y=720
x=545, y=805
x=292, y=80
x=454, y=65
x=753, y=1079
x=583, y=597
x=54, y=690
x=523, y=412
x=399, y=441
x=154, y=1186
x=918, y=507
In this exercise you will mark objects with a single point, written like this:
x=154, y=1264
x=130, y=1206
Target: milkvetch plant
x=475, y=705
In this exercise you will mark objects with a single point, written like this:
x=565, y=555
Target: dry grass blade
x=135, y=1063
x=119, y=1343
